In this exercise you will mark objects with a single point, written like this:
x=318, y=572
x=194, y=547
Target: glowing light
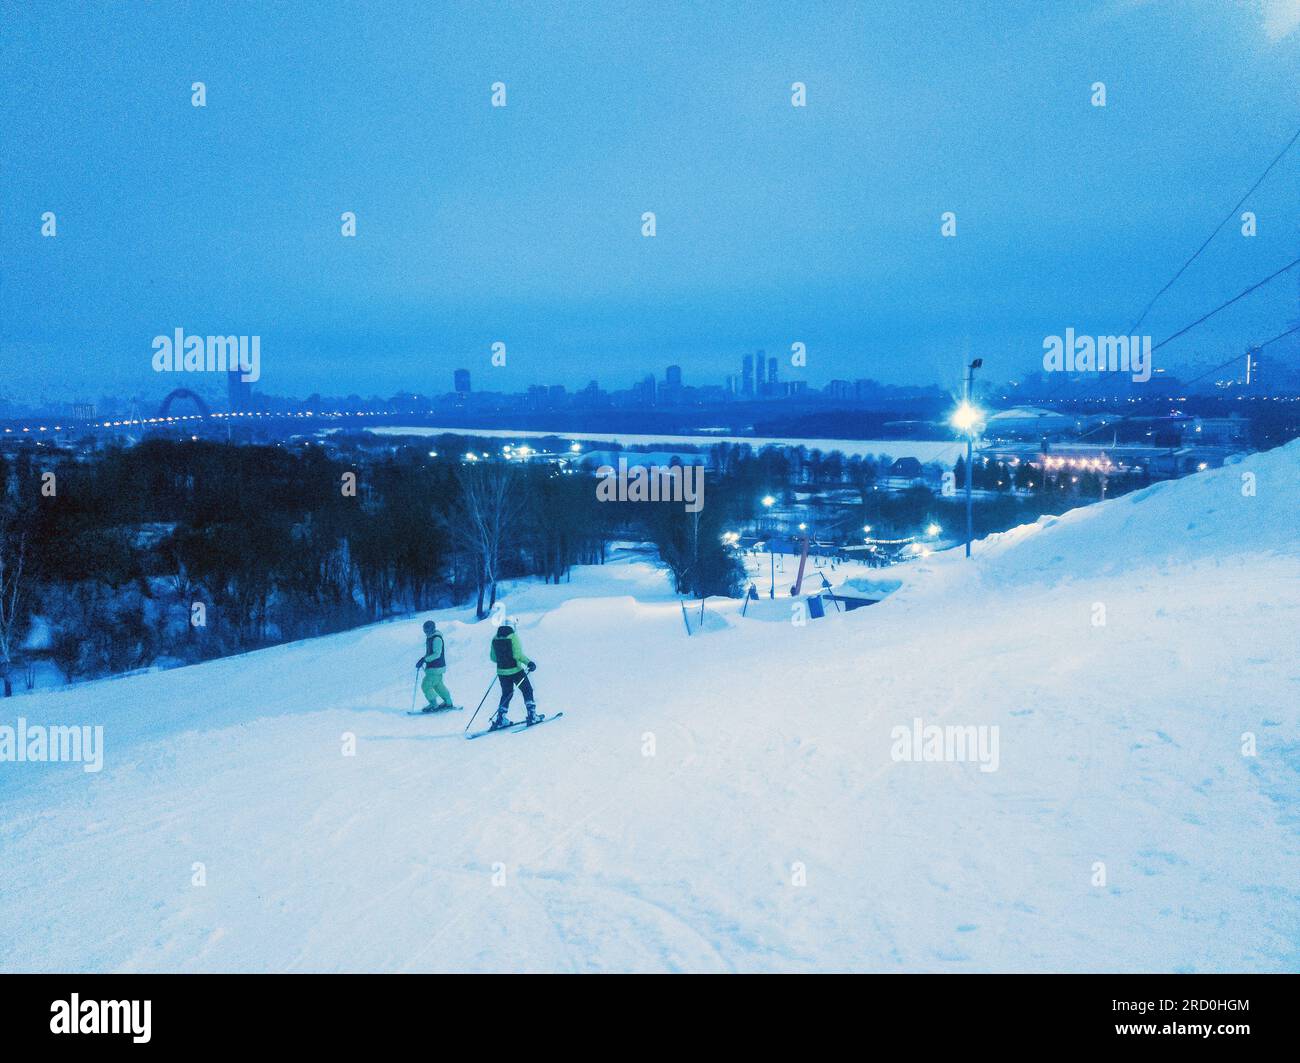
x=932, y=530
x=769, y=501
x=966, y=416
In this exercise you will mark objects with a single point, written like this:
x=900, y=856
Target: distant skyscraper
x=747, y=375
x=771, y=372
x=462, y=381
x=673, y=376
x=239, y=392
x=759, y=369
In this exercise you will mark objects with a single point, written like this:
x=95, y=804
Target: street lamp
x=966, y=418
x=768, y=503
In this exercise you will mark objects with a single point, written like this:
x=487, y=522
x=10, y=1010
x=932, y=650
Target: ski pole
x=415, y=687
x=491, y=684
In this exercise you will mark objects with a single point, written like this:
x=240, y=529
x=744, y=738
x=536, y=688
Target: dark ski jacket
x=507, y=654
x=435, y=655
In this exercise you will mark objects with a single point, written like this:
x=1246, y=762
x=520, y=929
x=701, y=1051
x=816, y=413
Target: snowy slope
x=1119, y=744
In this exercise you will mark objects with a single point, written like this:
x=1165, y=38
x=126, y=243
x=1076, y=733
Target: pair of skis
x=515, y=727
x=522, y=725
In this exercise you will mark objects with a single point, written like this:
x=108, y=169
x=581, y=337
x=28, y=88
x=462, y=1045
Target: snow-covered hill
x=667, y=821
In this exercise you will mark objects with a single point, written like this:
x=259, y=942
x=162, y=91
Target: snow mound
x=1246, y=507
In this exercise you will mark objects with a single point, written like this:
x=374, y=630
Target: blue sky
x=522, y=224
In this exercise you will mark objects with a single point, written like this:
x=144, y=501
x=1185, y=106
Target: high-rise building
x=760, y=368
x=747, y=375
x=461, y=378
x=771, y=371
x=671, y=394
x=239, y=392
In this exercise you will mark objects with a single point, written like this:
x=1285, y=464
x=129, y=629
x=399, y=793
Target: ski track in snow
x=1118, y=744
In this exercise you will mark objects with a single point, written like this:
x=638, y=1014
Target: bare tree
x=13, y=553
x=491, y=500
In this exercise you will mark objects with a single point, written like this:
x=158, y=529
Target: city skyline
x=820, y=223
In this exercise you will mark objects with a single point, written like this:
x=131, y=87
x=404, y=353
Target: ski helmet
x=430, y=627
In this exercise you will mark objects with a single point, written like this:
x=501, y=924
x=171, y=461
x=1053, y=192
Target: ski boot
x=533, y=716
x=499, y=720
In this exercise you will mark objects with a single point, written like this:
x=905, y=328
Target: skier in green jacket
x=513, y=667
x=434, y=663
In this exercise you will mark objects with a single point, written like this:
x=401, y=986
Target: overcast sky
x=522, y=224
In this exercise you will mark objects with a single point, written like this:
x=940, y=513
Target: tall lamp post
x=768, y=503
x=965, y=418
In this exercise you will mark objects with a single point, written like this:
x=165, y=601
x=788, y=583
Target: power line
x=1196, y=254
x=1223, y=306
x=1237, y=357
x=1228, y=217
x=1213, y=369
x=1100, y=378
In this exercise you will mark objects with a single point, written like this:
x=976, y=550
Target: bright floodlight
x=866, y=527
x=932, y=530
x=965, y=416
x=768, y=500
x=575, y=447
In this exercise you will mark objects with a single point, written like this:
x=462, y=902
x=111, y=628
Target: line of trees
x=190, y=550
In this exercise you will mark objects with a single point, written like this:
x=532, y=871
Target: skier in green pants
x=434, y=662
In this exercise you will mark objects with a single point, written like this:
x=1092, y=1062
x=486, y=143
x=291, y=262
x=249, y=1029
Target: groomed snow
x=1119, y=745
